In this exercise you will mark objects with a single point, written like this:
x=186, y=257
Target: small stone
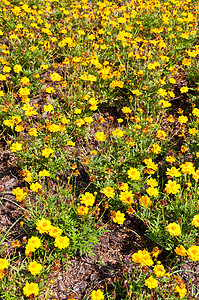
x=80, y=287
x=62, y=286
x=93, y=276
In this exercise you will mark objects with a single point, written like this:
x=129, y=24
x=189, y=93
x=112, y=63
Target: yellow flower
x=193, y=252
x=16, y=147
x=123, y=186
x=88, y=119
x=9, y=123
x=62, y=242
x=27, y=176
x=17, y=68
x=174, y=229
x=97, y=295
x=152, y=191
x=34, y=267
x=195, y=112
x=126, y=110
x=100, y=136
x=181, y=251
x=92, y=101
x=88, y=77
x=108, y=191
x=162, y=92
x=53, y=128
x=172, y=80
x=143, y=257
x=47, y=152
x=164, y=104
x=16, y=119
x=65, y=121
x=93, y=107
x=150, y=164
x=137, y=127
x=24, y=92
x=35, y=187
x=173, y=172
x=187, y=168
x=91, y=37
x=195, y=221
x=49, y=90
x=24, y=80
x=181, y=290
x=19, y=128
x=172, y=187
x=44, y=173
x=43, y=225
x=193, y=131
x=151, y=282
x=55, y=231
x=79, y=122
x=161, y=135
x=81, y=32
x=159, y=270
x=55, y=77
x=152, y=66
x=48, y=108
x=70, y=143
x=1, y=274
x=145, y=201
x=184, y=89
x=152, y=182
x=115, y=83
x=31, y=289
x=33, y=132
x=87, y=199
x=186, y=62
x=3, y=263
x=182, y=119
x=82, y=210
x=195, y=175
x=119, y=217
x=44, y=67
x=77, y=111
x=6, y=69
x=117, y=133
x=120, y=120
x=156, y=149
x=2, y=77
x=30, y=111
x=127, y=197
x=19, y=193
x=16, y=244
x=33, y=244
x=170, y=159
x=156, y=251
x=133, y=173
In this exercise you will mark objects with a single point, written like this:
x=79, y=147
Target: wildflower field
x=99, y=149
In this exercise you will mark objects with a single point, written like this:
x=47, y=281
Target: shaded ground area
x=10, y=211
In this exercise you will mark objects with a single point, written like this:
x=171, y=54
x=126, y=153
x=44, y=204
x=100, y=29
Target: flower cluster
x=45, y=226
